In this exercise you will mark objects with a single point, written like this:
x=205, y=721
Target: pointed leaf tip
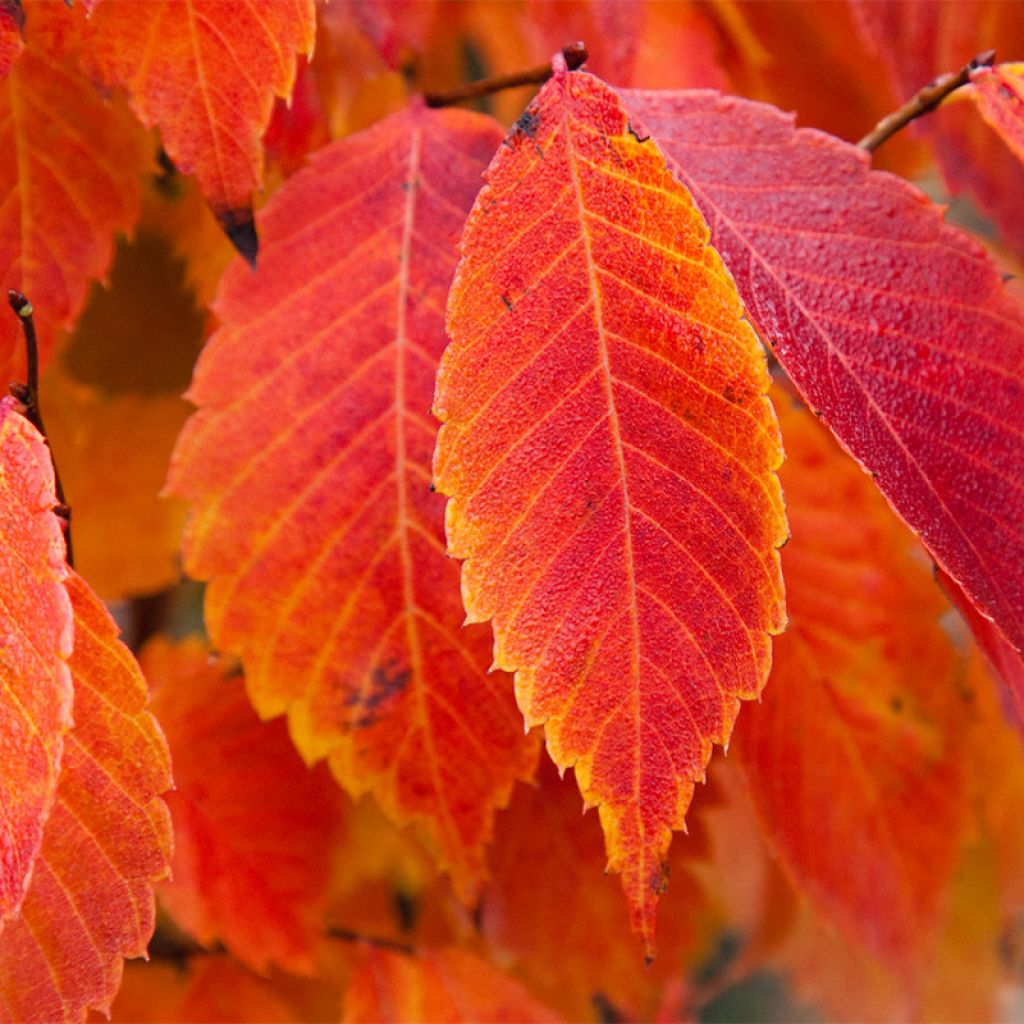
x=240, y=227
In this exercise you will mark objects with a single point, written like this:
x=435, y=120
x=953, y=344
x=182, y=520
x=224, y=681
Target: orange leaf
x=308, y=467
x=544, y=850
x=69, y=171
x=609, y=451
x=253, y=826
x=206, y=72
x=436, y=987
x=215, y=988
x=113, y=454
x=999, y=93
x=105, y=843
x=853, y=757
x=35, y=712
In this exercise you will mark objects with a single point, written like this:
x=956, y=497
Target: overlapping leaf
x=917, y=42
x=70, y=164
x=609, y=452
x=106, y=841
x=308, y=469
x=999, y=93
x=445, y=986
x=254, y=828
x=576, y=962
x=206, y=72
x=895, y=327
x=35, y=640
x=853, y=756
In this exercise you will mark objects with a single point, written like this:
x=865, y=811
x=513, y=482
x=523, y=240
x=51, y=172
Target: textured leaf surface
x=206, y=72
x=609, y=452
x=35, y=640
x=308, y=468
x=106, y=841
x=253, y=826
x=999, y=93
x=895, y=327
x=70, y=164
x=437, y=987
x=853, y=756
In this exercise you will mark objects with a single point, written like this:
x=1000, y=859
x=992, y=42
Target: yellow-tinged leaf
x=106, y=841
x=610, y=451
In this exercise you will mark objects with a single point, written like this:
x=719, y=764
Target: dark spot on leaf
x=605, y=1011
x=508, y=302
x=385, y=681
x=407, y=909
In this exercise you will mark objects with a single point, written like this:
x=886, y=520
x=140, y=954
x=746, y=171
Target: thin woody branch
x=924, y=101
x=575, y=55
x=28, y=395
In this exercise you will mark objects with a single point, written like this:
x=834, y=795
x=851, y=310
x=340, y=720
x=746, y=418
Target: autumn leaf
x=895, y=327
x=862, y=708
x=35, y=641
x=261, y=892
x=609, y=453
x=917, y=42
x=587, y=959
x=206, y=73
x=999, y=94
x=437, y=987
x=308, y=470
x=70, y=164
x=214, y=988
x=105, y=843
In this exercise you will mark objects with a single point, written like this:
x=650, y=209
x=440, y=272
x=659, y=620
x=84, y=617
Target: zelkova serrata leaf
x=308, y=471
x=609, y=453
x=895, y=327
x=35, y=641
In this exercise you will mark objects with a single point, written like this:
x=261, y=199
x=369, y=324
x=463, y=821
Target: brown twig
x=28, y=395
x=924, y=101
x=347, y=935
x=575, y=54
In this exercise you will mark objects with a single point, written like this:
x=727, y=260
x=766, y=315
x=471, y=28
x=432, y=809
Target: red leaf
x=69, y=171
x=854, y=756
x=609, y=451
x=439, y=986
x=308, y=469
x=895, y=327
x=35, y=712
x=106, y=841
x=254, y=828
x=206, y=72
